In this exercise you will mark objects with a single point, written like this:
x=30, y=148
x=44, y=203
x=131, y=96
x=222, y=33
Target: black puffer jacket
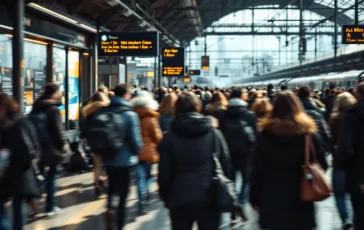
x=351, y=145
x=53, y=151
x=313, y=111
x=237, y=111
x=186, y=165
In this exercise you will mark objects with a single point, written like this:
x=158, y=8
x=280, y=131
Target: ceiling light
x=112, y=2
x=35, y=41
x=127, y=13
x=88, y=27
x=53, y=13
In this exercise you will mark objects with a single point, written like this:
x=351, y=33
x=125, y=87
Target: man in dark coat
x=304, y=93
x=239, y=124
x=351, y=154
x=53, y=150
x=329, y=102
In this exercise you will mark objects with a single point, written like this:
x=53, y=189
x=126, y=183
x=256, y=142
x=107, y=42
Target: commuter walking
x=239, y=128
x=351, y=154
x=304, y=93
x=342, y=103
x=277, y=168
x=18, y=148
x=217, y=106
x=117, y=128
x=167, y=111
x=50, y=130
x=146, y=108
x=186, y=166
x=98, y=100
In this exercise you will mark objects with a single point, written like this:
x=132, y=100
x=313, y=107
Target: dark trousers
x=119, y=182
x=357, y=200
x=18, y=211
x=242, y=168
x=183, y=218
x=51, y=187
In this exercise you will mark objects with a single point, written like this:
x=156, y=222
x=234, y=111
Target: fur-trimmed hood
x=144, y=100
x=214, y=107
x=92, y=107
x=145, y=112
x=303, y=124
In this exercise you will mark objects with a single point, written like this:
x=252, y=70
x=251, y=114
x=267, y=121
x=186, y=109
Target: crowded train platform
x=182, y=115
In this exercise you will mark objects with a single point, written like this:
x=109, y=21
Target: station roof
x=183, y=20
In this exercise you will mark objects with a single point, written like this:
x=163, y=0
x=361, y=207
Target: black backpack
x=239, y=136
x=39, y=120
x=105, y=136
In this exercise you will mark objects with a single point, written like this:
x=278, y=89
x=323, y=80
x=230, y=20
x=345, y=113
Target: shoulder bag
x=314, y=186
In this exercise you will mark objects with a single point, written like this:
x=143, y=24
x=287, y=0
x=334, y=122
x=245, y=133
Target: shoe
x=110, y=221
x=143, y=210
x=56, y=210
x=347, y=226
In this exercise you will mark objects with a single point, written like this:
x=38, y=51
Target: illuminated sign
x=173, y=62
x=194, y=72
x=352, y=34
x=150, y=74
x=205, y=63
x=128, y=44
x=187, y=80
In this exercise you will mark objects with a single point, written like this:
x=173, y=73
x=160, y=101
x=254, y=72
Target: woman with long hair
x=186, y=166
x=18, y=148
x=343, y=102
x=167, y=110
x=277, y=167
x=98, y=100
x=262, y=108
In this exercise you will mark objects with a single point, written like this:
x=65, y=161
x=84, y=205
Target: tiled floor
x=82, y=211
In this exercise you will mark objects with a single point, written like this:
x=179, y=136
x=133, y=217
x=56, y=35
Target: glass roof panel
x=344, y=5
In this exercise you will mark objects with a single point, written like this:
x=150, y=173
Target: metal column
x=159, y=70
x=94, y=65
x=155, y=73
x=356, y=12
x=67, y=90
x=18, y=52
x=335, y=33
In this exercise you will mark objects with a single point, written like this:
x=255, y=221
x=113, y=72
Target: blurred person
x=351, y=154
x=271, y=92
x=146, y=108
x=217, y=105
x=318, y=102
x=98, y=100
x=111, y=94
x=238, y=125
x=50, y=130
x=119, y=167
x=17, y=153
x=167, y=111
x=186, y=166
x=342, y=103
x=255, y=95
x=277, y=168
x=284, y=88
x=160, y=94
x=351, y=90
x=262, y=108
x=304, y=93
x=338, y=92
x=329, y=103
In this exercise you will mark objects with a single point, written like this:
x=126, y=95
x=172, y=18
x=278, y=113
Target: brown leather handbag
x=315, y=186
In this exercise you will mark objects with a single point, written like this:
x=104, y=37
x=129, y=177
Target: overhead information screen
x=352, y=34
x=205, y=62
x=173, y=62
x=128, y=44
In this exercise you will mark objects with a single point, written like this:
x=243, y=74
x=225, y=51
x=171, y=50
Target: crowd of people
x=260, y=134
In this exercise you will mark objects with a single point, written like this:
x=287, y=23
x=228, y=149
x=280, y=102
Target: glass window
x=73, y=88
x=6, y=65
x=35, y=61
x=59, y=73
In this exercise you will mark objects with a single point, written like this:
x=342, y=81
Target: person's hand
x=362, y=189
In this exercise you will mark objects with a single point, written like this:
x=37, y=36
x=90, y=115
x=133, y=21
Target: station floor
x=83, y=212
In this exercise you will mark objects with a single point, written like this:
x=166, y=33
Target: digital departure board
x=205, y=63
x=173, y=62
x=352, y=34
x=194, y=72
x=128, y=44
